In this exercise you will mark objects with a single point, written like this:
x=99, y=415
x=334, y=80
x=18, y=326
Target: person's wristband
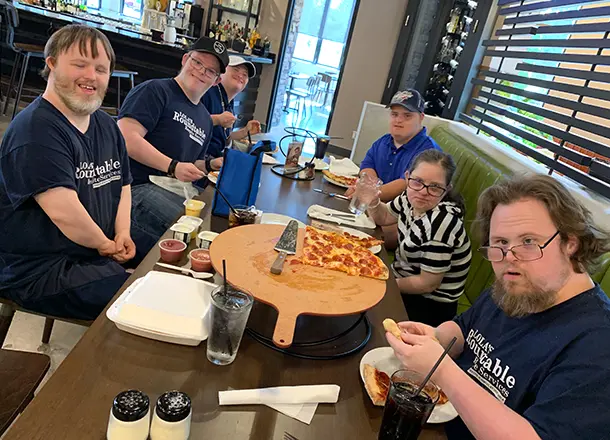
x=208, y=164
x=171, y=170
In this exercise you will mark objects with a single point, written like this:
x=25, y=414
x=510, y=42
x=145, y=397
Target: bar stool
x=22, y=51
x=119, y=73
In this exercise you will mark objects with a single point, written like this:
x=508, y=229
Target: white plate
x=357, y=233
x=384, y=360
x=269, y=218
x=329, y=180
x=213, y=178
x=319, y=163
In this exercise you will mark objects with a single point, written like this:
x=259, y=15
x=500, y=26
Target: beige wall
x=368, y=61
x=367, y=65
x=271, y=23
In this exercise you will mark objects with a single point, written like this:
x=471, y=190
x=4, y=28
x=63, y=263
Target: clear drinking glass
x=229, y=313
x=366, y=192
x=404, y=414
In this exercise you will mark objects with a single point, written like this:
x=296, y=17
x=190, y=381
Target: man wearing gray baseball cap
x=390, y=156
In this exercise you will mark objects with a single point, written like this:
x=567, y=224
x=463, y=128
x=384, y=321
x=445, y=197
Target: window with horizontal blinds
x=543, y=87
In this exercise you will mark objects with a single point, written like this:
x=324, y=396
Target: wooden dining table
x=76, y=401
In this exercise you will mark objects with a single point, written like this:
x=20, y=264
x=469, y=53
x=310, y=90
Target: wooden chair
x=7, y=312
x=20, y=375
x=23, y=53
x=324, y=87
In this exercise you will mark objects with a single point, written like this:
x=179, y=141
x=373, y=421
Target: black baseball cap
x=213, y=47
x=410, y=99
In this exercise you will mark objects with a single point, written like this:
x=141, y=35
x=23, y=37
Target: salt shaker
x=129, y=416
x=172, y=417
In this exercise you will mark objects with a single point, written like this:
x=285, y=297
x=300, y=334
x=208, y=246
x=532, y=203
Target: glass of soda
x=229, y=311
x=246, y=215
x=404, y=414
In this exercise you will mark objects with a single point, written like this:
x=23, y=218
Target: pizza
x=343, y=180
x=366, y=242
x=377, y=384
x=336, y=252
x=214, y=174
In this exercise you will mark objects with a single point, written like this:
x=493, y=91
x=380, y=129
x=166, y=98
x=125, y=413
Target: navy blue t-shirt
x=391, y=163
x=553, y=367
x=41, y=150
x=175, y=126
x=217, y=102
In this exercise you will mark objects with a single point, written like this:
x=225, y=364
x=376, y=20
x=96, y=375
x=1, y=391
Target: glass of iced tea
x=405, y=414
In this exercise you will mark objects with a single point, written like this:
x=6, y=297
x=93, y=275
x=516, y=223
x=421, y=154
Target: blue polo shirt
x=391, y=163
x=217, y=102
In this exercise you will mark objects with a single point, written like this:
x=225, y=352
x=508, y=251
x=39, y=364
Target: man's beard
x=67, y=94
x=518, y=305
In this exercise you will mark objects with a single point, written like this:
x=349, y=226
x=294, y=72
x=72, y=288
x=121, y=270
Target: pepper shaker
x=129, y=416
x=172, y=417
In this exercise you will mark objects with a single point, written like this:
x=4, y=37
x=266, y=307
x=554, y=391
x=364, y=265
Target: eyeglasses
x=521, y=252
x=433, y=190
x=209, y=73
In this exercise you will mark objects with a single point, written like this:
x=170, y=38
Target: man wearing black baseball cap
x=167, y=131
x=390, y=156
x=219, y=102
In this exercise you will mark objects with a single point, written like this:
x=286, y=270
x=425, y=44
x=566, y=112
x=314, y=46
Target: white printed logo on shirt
x=195, y=133
x=491, y=373
x=99, y=175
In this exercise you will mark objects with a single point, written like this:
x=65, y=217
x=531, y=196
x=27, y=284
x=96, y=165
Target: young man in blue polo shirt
x=219, y=102
x=390, y=156
x=167, y=130
x=65, y=195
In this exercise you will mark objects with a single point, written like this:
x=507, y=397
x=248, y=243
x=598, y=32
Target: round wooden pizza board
x=299, y=289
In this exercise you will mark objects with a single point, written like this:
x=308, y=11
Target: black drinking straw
x=224, y=276
x=440, y=359
x=228, y=203
x=249, y=138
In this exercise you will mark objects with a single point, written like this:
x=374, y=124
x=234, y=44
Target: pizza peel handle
x=284, y=328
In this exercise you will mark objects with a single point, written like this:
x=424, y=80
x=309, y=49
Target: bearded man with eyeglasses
x=167, y=130
x=532, y=359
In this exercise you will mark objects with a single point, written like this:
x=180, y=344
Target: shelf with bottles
x=452, y=45
x=243, y=14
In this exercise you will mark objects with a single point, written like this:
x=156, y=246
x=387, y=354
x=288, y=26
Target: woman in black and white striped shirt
x=433, y=250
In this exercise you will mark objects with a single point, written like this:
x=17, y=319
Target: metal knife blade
x=288, y=239
x=329, y=194
x=286, y=245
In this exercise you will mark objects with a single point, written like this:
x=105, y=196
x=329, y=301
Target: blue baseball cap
x=409, y=99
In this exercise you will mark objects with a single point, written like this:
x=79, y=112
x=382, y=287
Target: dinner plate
x=213, y=178
x=384, y=360
x=357, y=233
x=319, y=163
x=269, y=218
x=334, y=182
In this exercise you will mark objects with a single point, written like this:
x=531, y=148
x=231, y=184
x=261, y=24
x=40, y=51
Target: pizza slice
x=344, y=180
x=333, y=251
x=377, y=384
x=366, y=242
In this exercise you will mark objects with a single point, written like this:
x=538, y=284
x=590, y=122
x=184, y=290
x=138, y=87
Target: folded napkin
x=299, y=402
x=343, y=166
x=291, y=395
x=270, y=160
x=326, y=214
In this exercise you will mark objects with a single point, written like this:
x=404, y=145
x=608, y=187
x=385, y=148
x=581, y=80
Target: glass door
x=312, y=59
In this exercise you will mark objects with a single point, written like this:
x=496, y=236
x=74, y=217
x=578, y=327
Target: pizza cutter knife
x=287, y=245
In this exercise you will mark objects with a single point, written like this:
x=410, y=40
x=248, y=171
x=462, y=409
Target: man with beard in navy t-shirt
x=65, y=195
x=532, y=359
x=167, y=130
